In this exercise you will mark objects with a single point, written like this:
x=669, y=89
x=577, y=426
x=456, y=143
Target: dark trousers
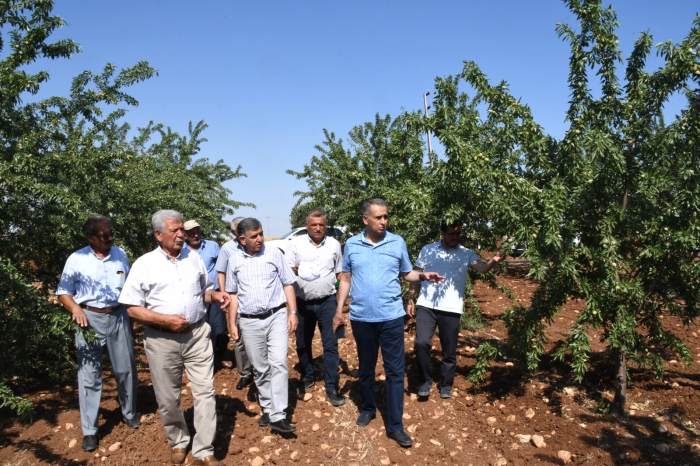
x=310, y=313
x=216, y=319
x=369, y=336
x=448, y=323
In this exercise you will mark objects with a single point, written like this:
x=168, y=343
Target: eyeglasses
x=108, y=235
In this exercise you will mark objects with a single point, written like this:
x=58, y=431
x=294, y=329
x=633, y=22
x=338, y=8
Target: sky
x=269, y=76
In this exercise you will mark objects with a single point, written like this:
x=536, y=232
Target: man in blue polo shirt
x=215, y=317
x=89, y=288
x=372, y=264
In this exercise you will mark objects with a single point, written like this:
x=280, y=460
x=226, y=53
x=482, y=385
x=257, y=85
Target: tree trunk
x=618, y=403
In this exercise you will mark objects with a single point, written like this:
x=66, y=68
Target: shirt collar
x=383, y=240
x=323, y=241
x=165, y=254
x=107, y=256
x=262, y=251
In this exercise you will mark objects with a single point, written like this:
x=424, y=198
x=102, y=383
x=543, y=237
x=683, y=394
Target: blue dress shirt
x=209, y=252
x=376, y=287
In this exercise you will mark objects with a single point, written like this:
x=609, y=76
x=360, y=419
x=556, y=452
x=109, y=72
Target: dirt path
x=480, y=426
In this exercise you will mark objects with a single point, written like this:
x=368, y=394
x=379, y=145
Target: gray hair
x=315, y=213
x=367, y=205
x=91, y=223
x=235, y=222
x=248, y=224
x=159, y=218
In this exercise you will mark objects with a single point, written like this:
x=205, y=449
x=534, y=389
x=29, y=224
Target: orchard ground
x=497, y=423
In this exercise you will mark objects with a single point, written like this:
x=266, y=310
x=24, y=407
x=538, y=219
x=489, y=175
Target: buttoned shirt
x=93, y=281
x=169, y=287
x=259, y=280
x=229, y=248
x=209, y=252
x=453, y=264
x=375, y=288
x=327, y=259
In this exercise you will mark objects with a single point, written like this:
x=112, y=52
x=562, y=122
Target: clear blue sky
x=268, y=76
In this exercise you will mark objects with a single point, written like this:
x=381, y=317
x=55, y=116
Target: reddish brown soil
x=479, y=426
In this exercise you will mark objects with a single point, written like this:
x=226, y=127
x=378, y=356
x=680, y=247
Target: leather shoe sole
x=364, y=419
x=178, y=455
x=244, y=382
x=401, y=438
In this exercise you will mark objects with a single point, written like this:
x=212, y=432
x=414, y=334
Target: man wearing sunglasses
x=89, y=288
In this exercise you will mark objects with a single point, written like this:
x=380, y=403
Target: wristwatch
x=293, y=313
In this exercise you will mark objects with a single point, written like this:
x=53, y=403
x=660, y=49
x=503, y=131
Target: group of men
x=183, y=290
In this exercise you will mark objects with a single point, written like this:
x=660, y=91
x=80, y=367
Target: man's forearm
x=147, y=316
x=291, y=297
x=343, y=292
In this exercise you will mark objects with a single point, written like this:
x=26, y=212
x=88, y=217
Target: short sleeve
x=285, y=271
x=338, y=253
x=290, y=255
x=422, y=260
x=471, y=257
x=132, y=294
x=346, y=265
x=222, y=260
x=69, y=278
x=405, y=265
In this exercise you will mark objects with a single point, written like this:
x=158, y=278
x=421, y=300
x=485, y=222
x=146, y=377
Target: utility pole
x=430, y=139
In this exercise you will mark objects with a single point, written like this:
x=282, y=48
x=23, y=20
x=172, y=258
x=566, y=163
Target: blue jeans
x=319, y=311
x=388, y=335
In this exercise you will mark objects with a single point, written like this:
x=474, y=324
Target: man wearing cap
x=215, y=317
x=260, y=284
x=317, y=261
x=167, y=290
x=89, y=288
x=242, y=361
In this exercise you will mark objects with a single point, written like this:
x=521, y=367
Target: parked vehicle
x=282, y=242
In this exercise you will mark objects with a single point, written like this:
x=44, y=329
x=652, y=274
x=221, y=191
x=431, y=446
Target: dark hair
x=316, y=213
x=91, y=223
x=367, y=205
x=246, y=224
x=454, y=223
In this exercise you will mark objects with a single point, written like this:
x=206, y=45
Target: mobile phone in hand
x=340, y=332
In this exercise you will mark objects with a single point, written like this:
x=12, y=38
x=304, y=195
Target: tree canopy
x=609, y=212
x=63, y=159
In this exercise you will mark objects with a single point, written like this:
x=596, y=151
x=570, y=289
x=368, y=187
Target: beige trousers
x=167, y=354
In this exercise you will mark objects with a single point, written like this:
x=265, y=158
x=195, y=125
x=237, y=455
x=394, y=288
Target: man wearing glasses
x=440, y=304
x=89, y=288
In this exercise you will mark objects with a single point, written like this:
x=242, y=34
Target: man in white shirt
x=166, y=290
x=317, y=261
x=441, y=304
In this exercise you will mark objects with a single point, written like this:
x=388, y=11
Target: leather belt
x=187, y=329
x=317, y=300
x=101, y=310
x=262, y=315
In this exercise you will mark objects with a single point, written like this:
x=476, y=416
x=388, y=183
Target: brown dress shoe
x=208, y=461
x=178, y=455
x=226, y=363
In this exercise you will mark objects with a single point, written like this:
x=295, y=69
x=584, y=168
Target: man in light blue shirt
x=373, y=263
x=215, y=317
x=89, y=288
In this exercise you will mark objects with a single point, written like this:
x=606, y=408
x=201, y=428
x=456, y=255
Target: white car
x=281, y=243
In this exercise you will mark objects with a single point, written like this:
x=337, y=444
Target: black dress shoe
x=134, y=422
x=264, y=420
x=90, y=443
x=335, y=399
x=244, y=382
x=364, y=419
x=282, y=426
x=401, y=438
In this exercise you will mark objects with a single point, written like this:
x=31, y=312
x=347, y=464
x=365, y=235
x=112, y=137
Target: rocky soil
x=515, y=418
